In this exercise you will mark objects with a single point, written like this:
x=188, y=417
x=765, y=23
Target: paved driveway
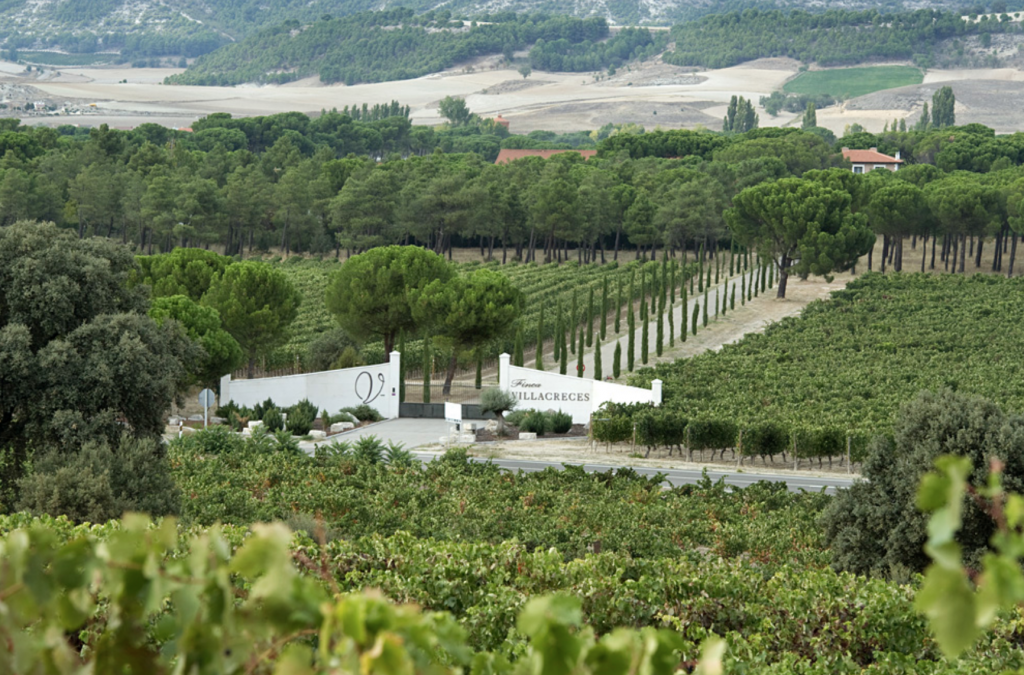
x=410, y=432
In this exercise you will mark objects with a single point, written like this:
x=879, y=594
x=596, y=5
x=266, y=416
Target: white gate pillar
x=503, y=375
x=395, y=380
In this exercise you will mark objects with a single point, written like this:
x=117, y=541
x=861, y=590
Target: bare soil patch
x=565, y=117
x=512, y=434
x=509, y=86
x=996, y=103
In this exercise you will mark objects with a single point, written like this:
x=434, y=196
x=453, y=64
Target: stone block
x=195, y=418
x=255, y=423
x=492, y=426
x=338, y=427
x=317, y=434
x=173, y=421
x=217, y=420
x=527, y=436
x=467, y=438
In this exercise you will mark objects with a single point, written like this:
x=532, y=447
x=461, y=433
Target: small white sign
x=453, y=413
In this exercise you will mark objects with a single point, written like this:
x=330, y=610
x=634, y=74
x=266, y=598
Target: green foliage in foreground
x=887, y=338
x=853, y=82
x=228, y=600
x=136, y=607
x=959, y=609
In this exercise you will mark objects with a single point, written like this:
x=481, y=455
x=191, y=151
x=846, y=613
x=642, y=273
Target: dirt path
x=725, y=329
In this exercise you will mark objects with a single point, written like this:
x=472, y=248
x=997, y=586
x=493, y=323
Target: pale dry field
x=653, y=94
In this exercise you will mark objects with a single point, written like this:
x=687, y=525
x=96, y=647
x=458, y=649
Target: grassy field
x=852, y=82
x=55, y=59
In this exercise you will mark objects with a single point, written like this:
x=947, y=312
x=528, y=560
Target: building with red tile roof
x=868, y=160
x=507, y=155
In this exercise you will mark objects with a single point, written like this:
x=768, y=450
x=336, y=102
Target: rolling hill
x=140, y=29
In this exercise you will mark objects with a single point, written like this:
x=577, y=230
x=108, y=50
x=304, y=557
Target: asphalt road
x=682, y=476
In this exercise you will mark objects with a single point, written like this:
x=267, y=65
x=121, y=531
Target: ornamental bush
x=99, y=482
x=875, y=526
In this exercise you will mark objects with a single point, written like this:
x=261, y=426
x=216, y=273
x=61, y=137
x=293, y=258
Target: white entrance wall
x=376, y=386
x=578, y=396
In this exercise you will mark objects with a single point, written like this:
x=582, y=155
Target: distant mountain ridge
x=149, y=28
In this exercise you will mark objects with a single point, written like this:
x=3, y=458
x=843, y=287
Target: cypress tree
x=746, y=259
x=663, y=296
x=604, y=307
x=538, y=359
x=755, y=273
x=725, y=297
x=579, y=357
x=718, y=299
x=427, y=363
x=732, y=297
x=479, y=370
x=597, y=359
x=700, y=271
x=743, y=289
x=618, y=304
x=563, y=364
x=659, y=333
x=705, y=307
x=732, y=257
x=574, y=319
x=631, y=345
x=672, y=284
x=764, y=277
x=617, y=361
x=717, y=259
x=401, y=367
x=696, y=315
x=771, y=277
x=682, y=326
x=643, y=285
x=590, y=316
x=645, y=334
x=517, y=348
x=559, y=331
x=708, y=282
x=671, y=327
x=654, y=289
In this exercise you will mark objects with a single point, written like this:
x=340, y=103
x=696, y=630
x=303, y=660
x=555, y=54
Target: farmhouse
x=868, y=160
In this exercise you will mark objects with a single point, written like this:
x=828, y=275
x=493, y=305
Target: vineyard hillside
x=846, y=365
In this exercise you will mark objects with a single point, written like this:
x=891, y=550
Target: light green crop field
x=851, y=82
x=55, y=59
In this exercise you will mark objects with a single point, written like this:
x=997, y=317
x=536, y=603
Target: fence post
x=656, y=391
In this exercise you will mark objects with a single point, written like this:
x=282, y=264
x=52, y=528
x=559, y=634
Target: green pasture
x=56, y=59
x=851, y=82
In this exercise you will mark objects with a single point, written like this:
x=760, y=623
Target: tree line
x=333, y=184
x=833, y=38
x=397, y=45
